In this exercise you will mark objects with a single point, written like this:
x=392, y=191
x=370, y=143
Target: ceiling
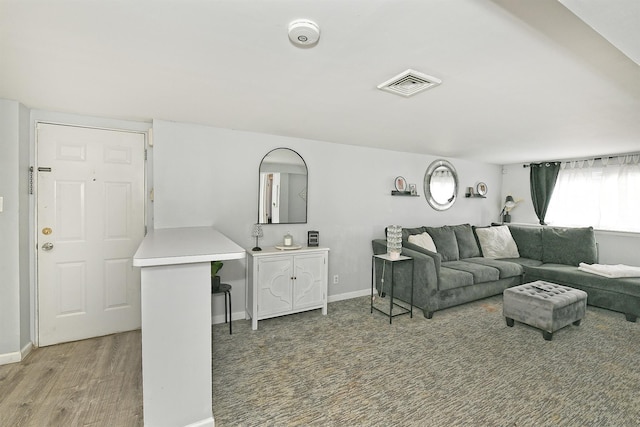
x=522, y=80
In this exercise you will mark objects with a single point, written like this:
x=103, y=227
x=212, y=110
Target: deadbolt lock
x=46, y=231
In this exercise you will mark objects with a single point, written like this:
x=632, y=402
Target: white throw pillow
x=423, y=240
x=497, y=242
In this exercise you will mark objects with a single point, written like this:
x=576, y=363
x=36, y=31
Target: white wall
x=613, y=247
x=14, y=229
x=208, y=176
x=24, y=229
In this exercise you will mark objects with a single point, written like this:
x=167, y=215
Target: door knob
x=47, y=246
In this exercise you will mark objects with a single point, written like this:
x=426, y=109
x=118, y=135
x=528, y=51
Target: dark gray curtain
x=543, y=178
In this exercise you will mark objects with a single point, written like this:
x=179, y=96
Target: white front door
x=90, y=221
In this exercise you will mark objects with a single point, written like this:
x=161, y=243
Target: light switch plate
x=1, y=203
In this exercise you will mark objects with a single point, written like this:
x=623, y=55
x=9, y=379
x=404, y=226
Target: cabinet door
x=309, y=284
x=274, y=285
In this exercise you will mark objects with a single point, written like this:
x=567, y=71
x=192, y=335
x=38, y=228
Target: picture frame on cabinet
x=413, y=189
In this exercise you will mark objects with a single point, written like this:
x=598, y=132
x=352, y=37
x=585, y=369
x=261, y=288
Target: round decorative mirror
x=282, y=197
x=441, y=185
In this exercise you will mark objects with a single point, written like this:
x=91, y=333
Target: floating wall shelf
x=403, y=193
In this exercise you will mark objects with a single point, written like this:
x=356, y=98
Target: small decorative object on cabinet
x=287, y=243
x=313, y=238
x=282, y=283
x=257, y=233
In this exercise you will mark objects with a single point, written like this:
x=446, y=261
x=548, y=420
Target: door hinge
x=145, y=154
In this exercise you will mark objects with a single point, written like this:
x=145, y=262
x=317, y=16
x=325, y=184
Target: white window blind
x=602, y=193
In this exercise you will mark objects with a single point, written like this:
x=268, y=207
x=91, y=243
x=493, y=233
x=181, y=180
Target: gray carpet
x=464, y=367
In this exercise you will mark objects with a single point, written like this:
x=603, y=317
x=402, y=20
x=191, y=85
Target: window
x=603, y=193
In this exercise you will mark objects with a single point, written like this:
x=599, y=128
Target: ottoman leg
x=547, y=335
x=577, y=322
x=509, y=321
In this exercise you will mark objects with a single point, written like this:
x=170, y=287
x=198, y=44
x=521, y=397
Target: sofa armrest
x=437, y=258
x=426, y=277
x=379, y=246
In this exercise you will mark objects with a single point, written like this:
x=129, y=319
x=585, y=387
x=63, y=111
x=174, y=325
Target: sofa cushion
x=423, y=240
x=525, y=262
x=467, y=245
x=452, y=279
x=496, y=242
x=446, y=243
x=481, y=273
x=528, y=240
x=571, y=276
x=507, y=269
x=569, y=246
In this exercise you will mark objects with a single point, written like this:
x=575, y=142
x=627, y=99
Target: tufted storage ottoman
x=544, y=305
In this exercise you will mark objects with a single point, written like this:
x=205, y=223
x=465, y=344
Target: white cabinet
x=285, y=282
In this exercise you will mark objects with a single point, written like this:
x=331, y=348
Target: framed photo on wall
x=481, y=189
x=401, y=184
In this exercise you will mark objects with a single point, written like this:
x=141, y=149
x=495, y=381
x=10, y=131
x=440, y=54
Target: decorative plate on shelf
x=401, y=183
x=288, y=248
x=481, y=189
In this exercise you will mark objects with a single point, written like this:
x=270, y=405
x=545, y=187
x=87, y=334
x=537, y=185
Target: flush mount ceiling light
x=409, y=83
x=303, y=32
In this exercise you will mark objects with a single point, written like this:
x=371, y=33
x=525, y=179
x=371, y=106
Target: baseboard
x=242, y=315
x=16, y=356
x=7, y=358
x=26, y=350
x=349, y=295
x=219, y=318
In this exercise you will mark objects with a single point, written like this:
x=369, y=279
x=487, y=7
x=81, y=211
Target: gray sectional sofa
x=458, y=272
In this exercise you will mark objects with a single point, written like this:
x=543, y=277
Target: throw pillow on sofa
x=423, y=240
x=528, y=240
x=446, y=243
x=497, y=242
x=569, y=246
x=467, y=245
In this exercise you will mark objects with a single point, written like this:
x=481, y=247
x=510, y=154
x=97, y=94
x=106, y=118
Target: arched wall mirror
x=441, y=185
x=282, y=195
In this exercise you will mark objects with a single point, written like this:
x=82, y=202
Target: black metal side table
x=387, y=258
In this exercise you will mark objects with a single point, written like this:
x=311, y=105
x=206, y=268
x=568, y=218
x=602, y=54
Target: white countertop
x=185, y=245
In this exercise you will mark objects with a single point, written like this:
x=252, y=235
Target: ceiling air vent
x=409, y=83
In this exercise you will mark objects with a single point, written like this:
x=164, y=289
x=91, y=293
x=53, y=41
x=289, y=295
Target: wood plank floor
x=95, y=382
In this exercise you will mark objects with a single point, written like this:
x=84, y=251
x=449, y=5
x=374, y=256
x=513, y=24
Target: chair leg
x=225, y=306
x=230, y=313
